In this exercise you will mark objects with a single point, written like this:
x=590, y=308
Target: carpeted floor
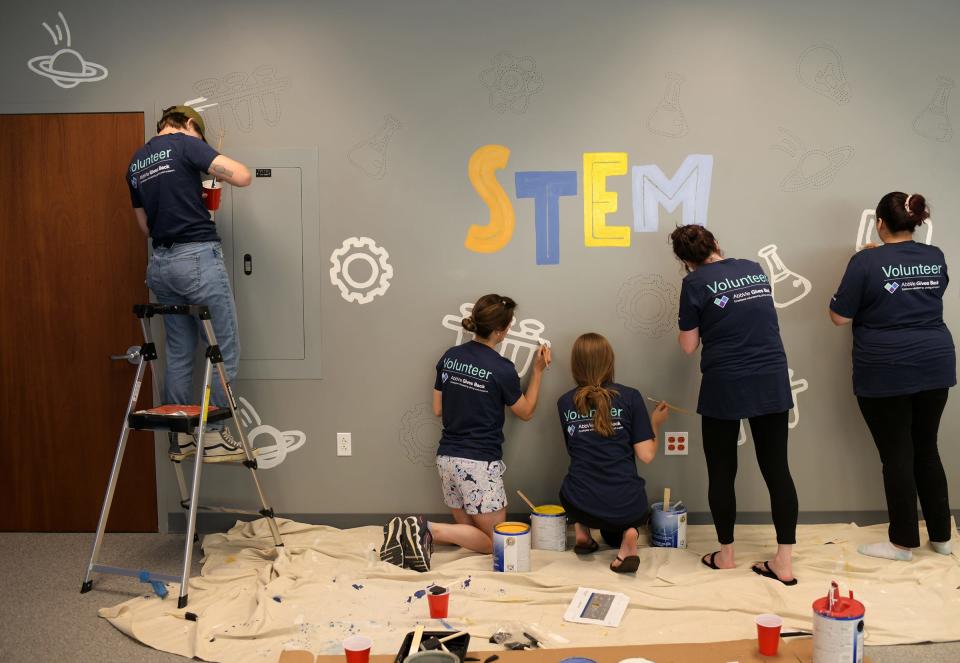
x=43, y=617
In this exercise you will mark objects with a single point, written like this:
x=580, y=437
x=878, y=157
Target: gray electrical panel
x=270, y=233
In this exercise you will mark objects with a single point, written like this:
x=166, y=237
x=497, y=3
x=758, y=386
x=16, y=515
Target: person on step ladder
x=186, y=266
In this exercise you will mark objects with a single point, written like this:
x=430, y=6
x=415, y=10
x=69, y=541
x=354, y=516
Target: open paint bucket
x=837, y=628
x=511, y=547
x=668, y=529
x=548, y=526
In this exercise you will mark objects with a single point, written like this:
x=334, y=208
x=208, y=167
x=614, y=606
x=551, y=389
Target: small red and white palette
x=676, y=444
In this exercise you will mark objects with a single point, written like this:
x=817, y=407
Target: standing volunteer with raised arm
x=186, y=267
x=606, y=429
x=903, y=365
x=727, y=303
x=473, y=385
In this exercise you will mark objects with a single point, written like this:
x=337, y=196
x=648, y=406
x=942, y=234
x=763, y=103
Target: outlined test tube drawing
x=788, y=287
x=370, y=155
x=796, y=387
x=933, y=122
x=668, y=119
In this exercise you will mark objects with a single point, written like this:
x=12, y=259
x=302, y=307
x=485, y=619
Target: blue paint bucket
x=668, y=529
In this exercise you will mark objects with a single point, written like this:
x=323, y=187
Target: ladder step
x=183, y=419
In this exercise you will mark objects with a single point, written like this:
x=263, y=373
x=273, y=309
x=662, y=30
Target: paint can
x=548, y=528
x=668, y=529
x=511, y=547
x=837, y=628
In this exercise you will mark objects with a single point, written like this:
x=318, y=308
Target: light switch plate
x=676, y=444
x=344, y=444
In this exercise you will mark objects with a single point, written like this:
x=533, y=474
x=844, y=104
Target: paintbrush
x=672, y=407
x=527, y=500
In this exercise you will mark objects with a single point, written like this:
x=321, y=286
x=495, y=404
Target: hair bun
x=916, y=206
x=469, y=324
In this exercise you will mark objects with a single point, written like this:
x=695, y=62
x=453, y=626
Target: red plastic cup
x=357, y=648
x=439, y=604
x=768, y=634
x=211, y=194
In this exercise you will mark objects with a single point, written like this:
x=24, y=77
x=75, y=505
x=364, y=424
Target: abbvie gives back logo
x=891, y=287
x=721, y=301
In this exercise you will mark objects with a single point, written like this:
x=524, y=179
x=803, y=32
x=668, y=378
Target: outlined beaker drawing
x=796, y=387
x=668, y=119
x=933, y=122
x=370, y=155
x=867, y=232
x=787, y=286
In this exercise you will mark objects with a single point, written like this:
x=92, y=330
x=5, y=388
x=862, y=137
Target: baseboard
x=220, y=522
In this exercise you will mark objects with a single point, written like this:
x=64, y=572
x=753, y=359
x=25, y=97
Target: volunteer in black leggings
x=728, y=304
x=903, y=365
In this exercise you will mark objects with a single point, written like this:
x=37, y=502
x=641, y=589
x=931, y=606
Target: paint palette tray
x=457, y=646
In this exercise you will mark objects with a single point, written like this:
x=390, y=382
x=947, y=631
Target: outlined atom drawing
x=511, y=81
x=364, y=249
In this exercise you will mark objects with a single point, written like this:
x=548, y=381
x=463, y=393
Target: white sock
x=885, y=550
x=942, y=547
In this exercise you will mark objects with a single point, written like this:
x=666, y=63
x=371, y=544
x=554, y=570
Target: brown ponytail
x=491, y=313
x=591, y=362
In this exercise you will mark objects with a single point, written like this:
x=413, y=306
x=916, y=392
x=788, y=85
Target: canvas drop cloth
x=327, y=583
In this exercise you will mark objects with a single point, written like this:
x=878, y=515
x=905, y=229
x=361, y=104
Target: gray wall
x=603, y=67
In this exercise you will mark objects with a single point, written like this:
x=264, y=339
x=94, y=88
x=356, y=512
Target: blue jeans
x=194, y=273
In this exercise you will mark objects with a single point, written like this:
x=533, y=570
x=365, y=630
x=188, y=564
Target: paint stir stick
x=417, y=636
x=666, y=500
x=672, y=407
x=527, y=500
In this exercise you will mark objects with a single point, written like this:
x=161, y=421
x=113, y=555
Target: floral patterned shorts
x=475, y=486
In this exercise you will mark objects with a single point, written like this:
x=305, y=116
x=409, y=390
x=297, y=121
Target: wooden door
x=72, y=264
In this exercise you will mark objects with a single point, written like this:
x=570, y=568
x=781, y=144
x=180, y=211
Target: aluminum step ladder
x=177, y=423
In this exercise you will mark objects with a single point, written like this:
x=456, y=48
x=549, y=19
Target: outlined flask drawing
x=667, y=119
x=370, y=155
x=787, y=286
x=933, y=122
x=742, y=437
x=796, y=387
x=866, y=233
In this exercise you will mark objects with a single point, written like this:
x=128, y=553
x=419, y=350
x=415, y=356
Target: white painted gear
x=376, y=256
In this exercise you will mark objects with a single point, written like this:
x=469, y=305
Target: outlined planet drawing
x=67, y=68
x=817, y=169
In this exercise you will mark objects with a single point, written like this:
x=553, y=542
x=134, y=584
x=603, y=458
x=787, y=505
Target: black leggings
x=904, y=429
x=770, y=442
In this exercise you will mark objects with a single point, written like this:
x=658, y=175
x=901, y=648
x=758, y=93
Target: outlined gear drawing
x=420, y=434
x=365, y=250
x=647, y=304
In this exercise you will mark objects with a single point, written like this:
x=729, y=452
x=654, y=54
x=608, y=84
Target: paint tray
x=457, y=646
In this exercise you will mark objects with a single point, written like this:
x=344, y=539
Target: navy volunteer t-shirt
x=476, y=383
x=164, y=179
x=743, y=363
x=894, y=294
x=603, y=480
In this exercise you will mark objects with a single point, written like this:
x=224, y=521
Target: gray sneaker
x=219, y=446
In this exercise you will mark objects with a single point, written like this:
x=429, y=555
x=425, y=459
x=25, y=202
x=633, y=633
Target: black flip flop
x=767, y=572
x=586, y=548
x=712, y=563
x=630, y=564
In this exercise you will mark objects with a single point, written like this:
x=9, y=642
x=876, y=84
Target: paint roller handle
x=527, y=500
